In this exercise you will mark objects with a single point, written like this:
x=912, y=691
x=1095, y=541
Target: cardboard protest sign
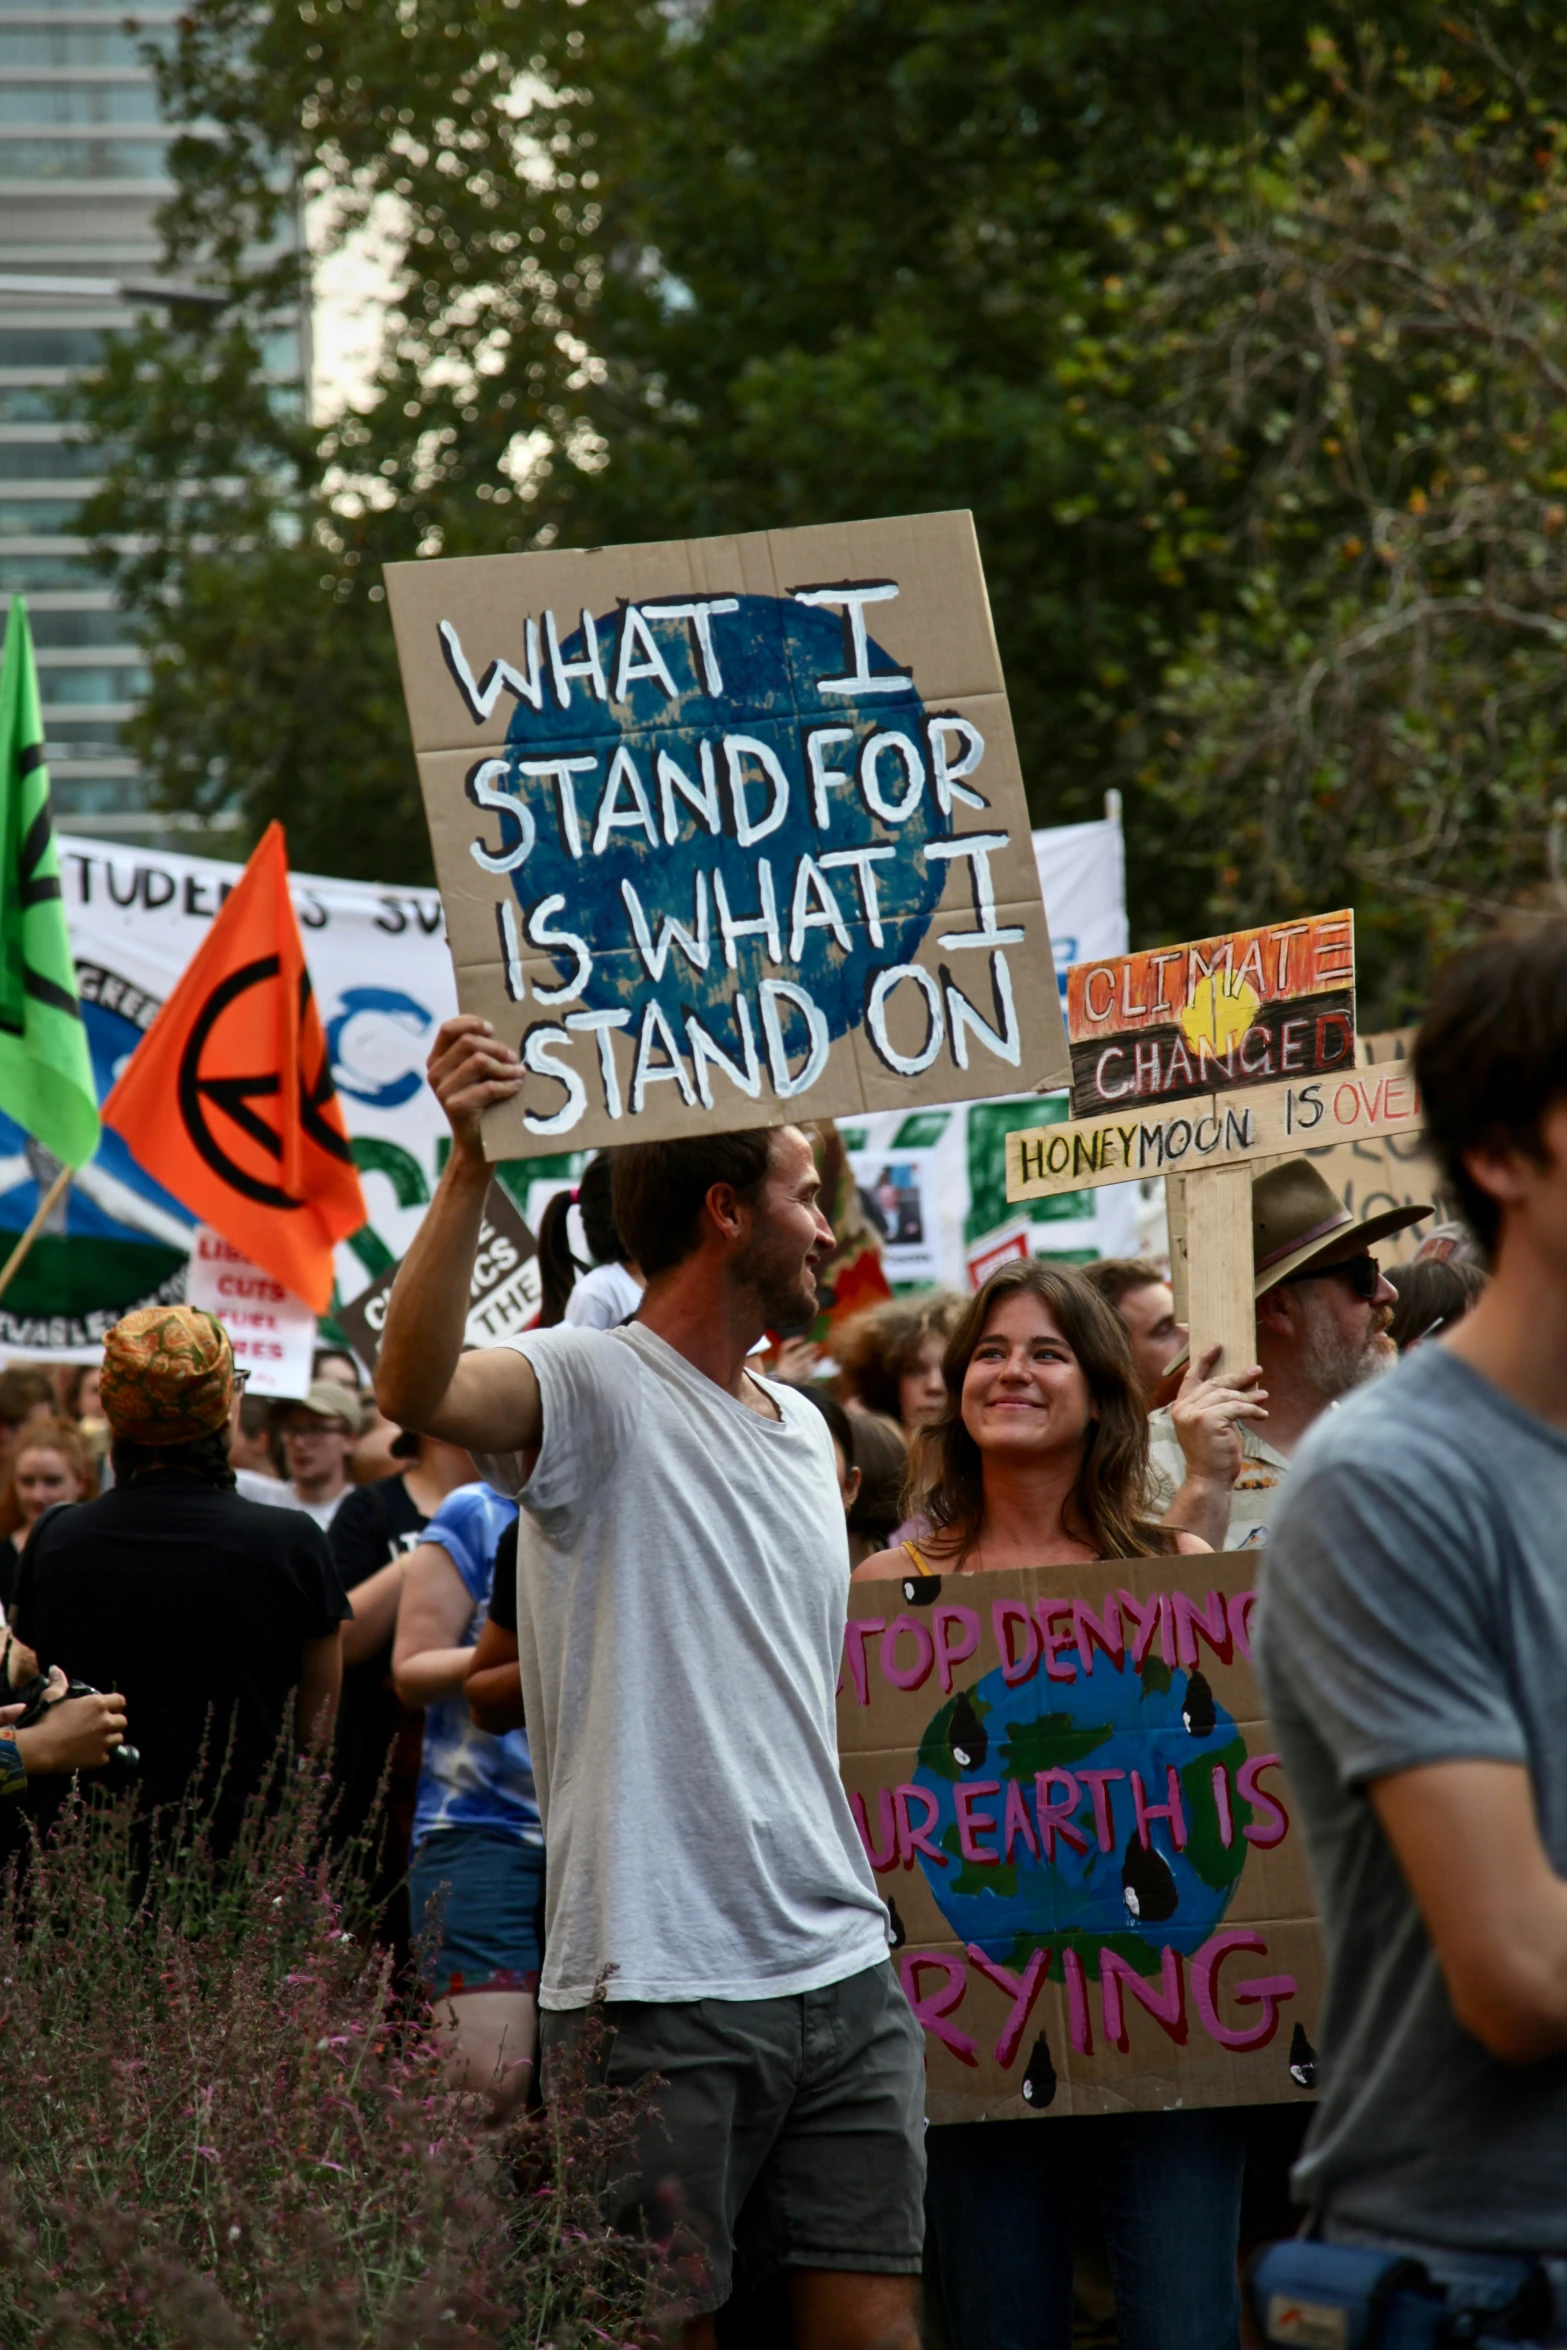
x=1071, y=1801
x=1246, y=1009
x=503, y=1290
x=1374, y=1172
x=1276, y=1121
x=730, y=830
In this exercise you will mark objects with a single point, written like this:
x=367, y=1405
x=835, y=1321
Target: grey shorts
x=792, y=2128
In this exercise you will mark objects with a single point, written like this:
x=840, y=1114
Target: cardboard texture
x=730, y=831
x=1395, y=1170
x=1370, y=1174
x=1215, y=1015
x=503, y=1293
x=1069, y=1795
x=1279, y=1121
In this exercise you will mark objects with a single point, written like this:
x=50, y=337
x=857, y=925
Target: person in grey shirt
x=1412, y=1642
x=682, y=1587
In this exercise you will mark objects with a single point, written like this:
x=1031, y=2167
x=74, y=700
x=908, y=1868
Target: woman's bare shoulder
x=883, y=1566
x=1187, y=1543
x=888, y=1566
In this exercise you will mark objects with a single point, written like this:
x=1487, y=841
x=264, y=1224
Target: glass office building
x=82, y=173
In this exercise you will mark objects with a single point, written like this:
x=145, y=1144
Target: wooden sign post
x=1199, y=1061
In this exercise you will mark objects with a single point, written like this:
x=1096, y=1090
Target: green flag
x=46, y=1079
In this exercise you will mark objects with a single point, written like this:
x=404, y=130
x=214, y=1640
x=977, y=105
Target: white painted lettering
x=487, y=789
x=498, y=678
x=906, y=1064
x=852, y=599
x=590, y=666
x=774, y=992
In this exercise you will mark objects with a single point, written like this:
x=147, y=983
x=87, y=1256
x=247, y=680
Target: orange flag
x=228, y=1100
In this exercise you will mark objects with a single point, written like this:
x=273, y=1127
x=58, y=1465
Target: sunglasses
x=1363, y=1274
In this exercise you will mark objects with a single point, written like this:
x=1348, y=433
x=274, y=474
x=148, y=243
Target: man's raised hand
x=1207, y=1415
x=469, y=1069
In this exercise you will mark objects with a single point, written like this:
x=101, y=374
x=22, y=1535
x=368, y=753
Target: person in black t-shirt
x=494, y=1684
x=375, y=1528
x=197, y=1605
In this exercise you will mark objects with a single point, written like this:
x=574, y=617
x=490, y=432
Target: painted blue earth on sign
x=1102, y=1883
x=705, y=813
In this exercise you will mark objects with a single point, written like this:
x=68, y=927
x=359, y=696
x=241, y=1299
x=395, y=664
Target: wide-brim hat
x=1298, y=1219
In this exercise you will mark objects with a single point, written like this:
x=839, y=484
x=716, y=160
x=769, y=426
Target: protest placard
x=1216, y=1131
x=272, y=1332
x=1071, y=1800
x=898, y=1191
x=503, y=1289
x=1373, y=1172
x=1243, y=1009
x=1213, y=1058
x=730, y=830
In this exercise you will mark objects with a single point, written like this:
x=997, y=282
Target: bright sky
x=352, y=287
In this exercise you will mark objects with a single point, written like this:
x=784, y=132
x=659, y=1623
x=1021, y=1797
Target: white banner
x=1082, y=878
x=383, y=982
x=956, y=1156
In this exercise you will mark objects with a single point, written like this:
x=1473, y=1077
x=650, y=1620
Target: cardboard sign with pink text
x=1075, y=1812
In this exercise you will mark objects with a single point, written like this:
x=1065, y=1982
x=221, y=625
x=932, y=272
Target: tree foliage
x=1237, y=327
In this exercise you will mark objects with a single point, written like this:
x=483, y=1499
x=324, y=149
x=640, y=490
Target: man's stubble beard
x=1334, y=1364
x=784, y=1289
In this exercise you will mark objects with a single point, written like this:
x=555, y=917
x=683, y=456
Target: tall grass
x=221, y=2130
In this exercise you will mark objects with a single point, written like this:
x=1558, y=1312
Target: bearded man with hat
x=211, y=1614
x=1323, y=1309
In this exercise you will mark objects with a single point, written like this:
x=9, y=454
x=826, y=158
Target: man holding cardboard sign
x=1323, y=1307
x=682, y=1580
x=1201, y=1061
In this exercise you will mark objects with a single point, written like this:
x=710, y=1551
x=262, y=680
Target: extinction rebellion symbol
x=235, y=1092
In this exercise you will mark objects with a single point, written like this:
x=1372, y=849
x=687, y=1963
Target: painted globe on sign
x=1112, y=1719
x=771, y=651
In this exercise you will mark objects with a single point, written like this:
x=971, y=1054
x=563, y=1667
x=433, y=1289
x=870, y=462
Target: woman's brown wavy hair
x=1106, y=1506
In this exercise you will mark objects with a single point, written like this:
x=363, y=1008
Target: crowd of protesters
x=566, y=1615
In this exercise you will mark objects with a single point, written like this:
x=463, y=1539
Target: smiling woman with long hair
x=1041, y=1459
x=1041, y=1456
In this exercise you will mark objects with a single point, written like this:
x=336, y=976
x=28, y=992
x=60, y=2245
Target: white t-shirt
x=683, y=1579
x=274, y=1494
x=602, y=1298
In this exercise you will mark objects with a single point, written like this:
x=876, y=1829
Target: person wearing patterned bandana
x=213, y=1615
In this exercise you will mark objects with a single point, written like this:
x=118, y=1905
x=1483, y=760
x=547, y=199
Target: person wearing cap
x=211, y=1615
x=318, y=1431
x=1323, y=1309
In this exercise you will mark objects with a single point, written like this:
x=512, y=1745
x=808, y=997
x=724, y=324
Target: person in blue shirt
x=477, y=1845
